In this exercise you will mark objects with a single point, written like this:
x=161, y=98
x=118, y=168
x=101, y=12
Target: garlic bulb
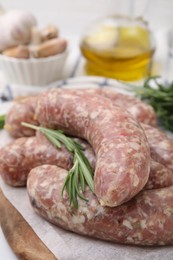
x=15, y=28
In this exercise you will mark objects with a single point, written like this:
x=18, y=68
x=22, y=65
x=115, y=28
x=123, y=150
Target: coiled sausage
x=24, y=110
x=25, y=153
x=120, y=145
x=147, y=219
x=121, y=170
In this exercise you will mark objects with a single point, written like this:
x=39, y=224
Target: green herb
x=2, y=121
x=81, y=172
x=159, y=96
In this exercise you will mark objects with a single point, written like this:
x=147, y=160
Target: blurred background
x=72, y=16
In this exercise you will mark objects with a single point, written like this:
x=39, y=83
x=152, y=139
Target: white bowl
x=33, y=71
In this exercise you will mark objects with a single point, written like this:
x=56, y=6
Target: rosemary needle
x=81, y=172
x=2, y=121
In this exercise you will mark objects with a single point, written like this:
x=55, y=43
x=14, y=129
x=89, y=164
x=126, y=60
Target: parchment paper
x=69, y=246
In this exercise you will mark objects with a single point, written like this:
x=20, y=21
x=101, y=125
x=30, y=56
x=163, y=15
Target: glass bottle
x=118, y=47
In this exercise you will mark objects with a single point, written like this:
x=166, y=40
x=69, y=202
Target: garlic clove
x=20, y=52
x=48, y=48
x=49, y=32
x=36, y=37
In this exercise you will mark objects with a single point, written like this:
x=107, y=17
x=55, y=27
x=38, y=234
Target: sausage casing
x=147, y=219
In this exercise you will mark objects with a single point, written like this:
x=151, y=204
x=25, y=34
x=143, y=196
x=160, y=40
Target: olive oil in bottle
x=119, y=48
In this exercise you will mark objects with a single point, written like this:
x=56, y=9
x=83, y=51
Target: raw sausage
x=120, y=145
x=25, y=153
x=141, y=111
x=160, y=176
x=121, y=170
x=161, y=145
x=23, y=110
x=147, y=219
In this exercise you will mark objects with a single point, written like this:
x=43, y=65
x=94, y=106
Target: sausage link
x=124, y=131
x=24, y=110
x=160, y=176
x=161, y=145
x=147, y=219
x=141, y=111
x=120, y=145
x=23, y=154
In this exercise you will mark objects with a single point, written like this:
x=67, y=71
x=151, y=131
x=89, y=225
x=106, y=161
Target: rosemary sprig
x=161, y=99
x=81, y=172
x=159, y=96
x=2, y=121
